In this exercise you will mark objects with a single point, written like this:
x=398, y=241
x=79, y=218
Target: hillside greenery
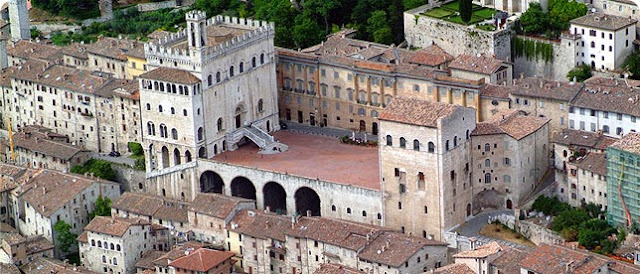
x=535, y=21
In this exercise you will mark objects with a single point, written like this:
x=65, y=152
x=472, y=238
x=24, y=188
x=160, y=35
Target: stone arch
x=187, y=156
x=211, y=182
x=307, y=200
x=509, y=204
x=165, y=157
x=488, y=199
x=275, y=197
x=176, y=156
x=202, y=152
x=152, y=157
x=243, y=187
x=239, y=115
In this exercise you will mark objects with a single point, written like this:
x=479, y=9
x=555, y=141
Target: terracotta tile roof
x=618, y=99
x=9, y=269
x=59, y=76
x=83, y=238
x=158, y=34
x=495, y=91
x=455, y=269
x=76, y=50
x=113, y=226
x=573, y=137
x=13, y=238
x=49, y=190
x=603, y=21
x=629, y=142
x=152, y=205
x=508, y=261
x=42, y=141
x=176, y=252
x=121, y=88
x=202, y=260
x=416, y=112
x=5, y=76
x=557, y=259
x=336, y=232
x=216, y=205
x=511, y=122
x=147, y=259
x=260, y=225
x=482, y=251
x=115, y=48
x=594, y=162
x=430, y=56
x=11, y=170
x=479, y=64
x=171, y=75
x=24, y=49
x=37, y=244
x=542, y=88
x=333, y=268
x=395, y=248
x=7, y=228
x=41, y=265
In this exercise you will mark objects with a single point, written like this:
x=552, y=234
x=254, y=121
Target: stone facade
x=562, y=60
x=440, y=180
x=19, y=18
x=422, y=31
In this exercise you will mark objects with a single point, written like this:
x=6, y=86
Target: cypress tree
x=466, y=10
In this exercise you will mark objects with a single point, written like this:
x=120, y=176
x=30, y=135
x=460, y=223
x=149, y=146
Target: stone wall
x=557, y=68
x=422, y=31
x=129, y=178
x=538, y=234
x=156, y=6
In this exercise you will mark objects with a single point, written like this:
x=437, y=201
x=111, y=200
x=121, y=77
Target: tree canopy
x=64, y=238
x=632, y=64
x=102, y=207
x=580, y=73
x=100, y=168
x=551, y=23
x=466, y=10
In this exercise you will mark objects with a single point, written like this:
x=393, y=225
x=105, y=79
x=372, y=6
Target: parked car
x=114, y=154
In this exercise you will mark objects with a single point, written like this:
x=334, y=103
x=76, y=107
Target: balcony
x=362, y=102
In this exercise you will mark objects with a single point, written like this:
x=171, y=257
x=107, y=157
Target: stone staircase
x=266, y=142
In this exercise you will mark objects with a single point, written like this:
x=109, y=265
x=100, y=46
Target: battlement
x=196, y=15
x=163, y=48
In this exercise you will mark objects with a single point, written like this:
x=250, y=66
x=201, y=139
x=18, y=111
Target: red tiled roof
x=171, y=75
x=480, y=64
x=430, y=56
x=395, y=248
x=557, y=259
x=202, y=260
x=417, y=112
x=458, y=268
x=629, y=142
x=112, y=225
x=573, y=137
x=332, y=268
x=511, y=122
x=594, y=162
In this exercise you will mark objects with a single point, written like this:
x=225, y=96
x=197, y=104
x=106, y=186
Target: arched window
x=260, y=106
x=261, y=59
x=348, y=210
x=389, y=140
x=231, y=71
x=155, y=85
x=187, y=156
x=379, y=216
x=163, y=131
x=218, y=77
x=200, y=133
x=160, y=108
x=111, y=246
x=184, y=112
x=333, y=207
x=115, y=261
x=403, y=142
x=487, y=178
x=104, y=258
x=209, y=80
x=93, y=242
x=253, y=62
x=173, y=110
x=416, y=145
x=487, y=163
x=174, y=134
x=118, y=247
x=164, y=193
x=487, y=147
x=241, y=67
x=220, y=124
x=374, y=113
x=173, y=88
x=364, y=213
x=151, y=128
x=455, y=141
x=431, y=147
x=148, y=106
x=446, y=145
x=181, y=89
x=468, y=136
x=99, y=244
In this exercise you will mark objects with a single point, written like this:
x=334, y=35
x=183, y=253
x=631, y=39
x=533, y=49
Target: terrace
x=482, y=17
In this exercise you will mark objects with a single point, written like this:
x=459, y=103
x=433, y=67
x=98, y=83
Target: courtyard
x=450, y=12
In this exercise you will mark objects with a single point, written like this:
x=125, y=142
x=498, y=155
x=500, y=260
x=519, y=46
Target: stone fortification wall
x=561, y=62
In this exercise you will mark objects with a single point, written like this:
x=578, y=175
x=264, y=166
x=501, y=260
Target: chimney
x=293, y=222
x=267, y=209
x=308, y=213
x=44, y=190
x=66, y=77
x=266, y=225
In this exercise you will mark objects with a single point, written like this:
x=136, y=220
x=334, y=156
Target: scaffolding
x=623, y=187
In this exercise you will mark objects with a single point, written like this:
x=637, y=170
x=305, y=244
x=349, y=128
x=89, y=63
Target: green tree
x=466, y=10
x=35, y=33
x=102, y=207
x=580, y=73
x=64, y=238
x=135, y=148
x=549, y=206
x=563, y=11
x=569, y=219
x=321, y=8
x=379, y=28
x=594, y=210
x=632, y=64
x=100, y=168
x=306, y=31
x=283, y=14
x=594, y=232
x=412, y=4
x=534, y=20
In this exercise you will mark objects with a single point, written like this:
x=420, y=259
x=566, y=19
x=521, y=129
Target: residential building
x=36, y=213
x=48, y=266
x=607, y=105
x=113, y=244
x=587, y=178
x=155, y=209
x=161, y=264
x=622, y=180
x=24, y=50
x=440, y=135
x=210, y=213
x=136, y=61
x=9, y=268
x=39, y=147
x=203, y=260
x=21, y=250
x=109, y=55
x=548, y=258
x=478, y=260
x=605, y=40
x=493, y=70
x=510, y=153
